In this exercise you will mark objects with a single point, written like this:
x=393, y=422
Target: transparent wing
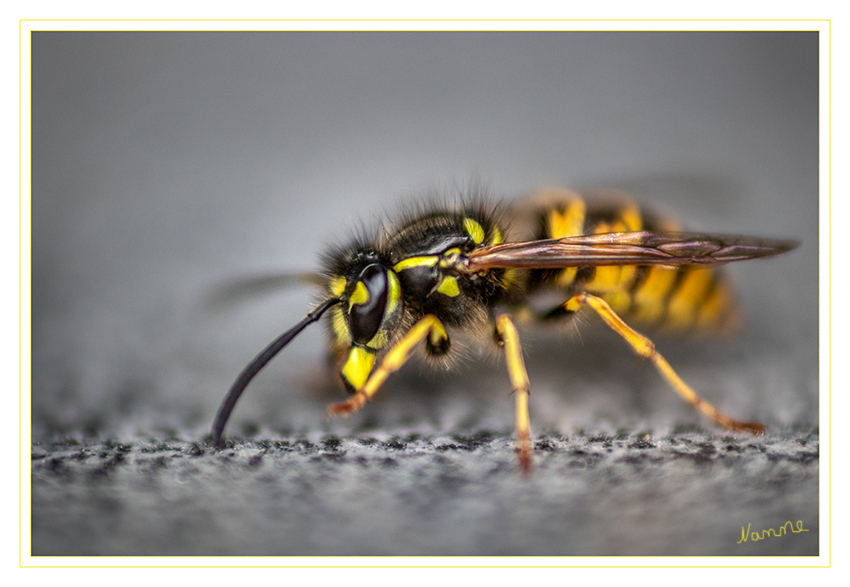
x=242, y=288
x=674, y=249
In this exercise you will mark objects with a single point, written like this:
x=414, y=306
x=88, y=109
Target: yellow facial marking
x=427, y=261
x=357, y=366
x=448, y=287
x=474, y=230
x=337, y=285
x=378, y=341
x=359, y=296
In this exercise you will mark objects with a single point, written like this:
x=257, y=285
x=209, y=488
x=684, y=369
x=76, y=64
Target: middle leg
x=509, y=339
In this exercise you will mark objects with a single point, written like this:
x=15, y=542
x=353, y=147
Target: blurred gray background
x=166, y=164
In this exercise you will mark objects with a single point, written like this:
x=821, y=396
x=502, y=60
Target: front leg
x=428, y=328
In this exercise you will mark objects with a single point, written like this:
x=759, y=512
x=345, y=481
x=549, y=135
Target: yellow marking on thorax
x=394, y=294
x=497, y=237
x=448, y=286
x=449, y=257
x=567, y=277
x=509, y=278
x=410, y=262
x=474, y=230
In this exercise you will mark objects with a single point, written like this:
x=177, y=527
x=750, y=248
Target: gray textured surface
x=683, y=494
x=164, y=164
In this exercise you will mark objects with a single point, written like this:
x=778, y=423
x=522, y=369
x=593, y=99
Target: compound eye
x=368, y=303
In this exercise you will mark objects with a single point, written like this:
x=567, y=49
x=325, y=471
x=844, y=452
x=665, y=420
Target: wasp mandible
x=474, y=267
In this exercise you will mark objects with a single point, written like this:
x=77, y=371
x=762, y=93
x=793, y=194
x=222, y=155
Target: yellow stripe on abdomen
x=688, y=297
x=613, y=283
x=570, y=222
x=719, y=311
x=649, y=300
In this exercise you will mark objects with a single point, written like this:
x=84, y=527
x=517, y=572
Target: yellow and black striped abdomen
x=676, y=300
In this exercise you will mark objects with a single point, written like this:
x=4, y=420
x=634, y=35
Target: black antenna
x=260, y=361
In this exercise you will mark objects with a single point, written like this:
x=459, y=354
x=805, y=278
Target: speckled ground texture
x=681, y=494
x=166, y=164
x=429, y=468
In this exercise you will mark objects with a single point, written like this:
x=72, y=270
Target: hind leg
x=645, y=348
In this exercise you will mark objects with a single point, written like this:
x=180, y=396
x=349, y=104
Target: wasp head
x=369, y=314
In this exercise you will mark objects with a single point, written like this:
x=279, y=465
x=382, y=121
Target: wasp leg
x=645, y=348
x=509, y=338
x=429, y=327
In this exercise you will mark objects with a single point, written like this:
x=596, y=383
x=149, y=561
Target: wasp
x=479, y=269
